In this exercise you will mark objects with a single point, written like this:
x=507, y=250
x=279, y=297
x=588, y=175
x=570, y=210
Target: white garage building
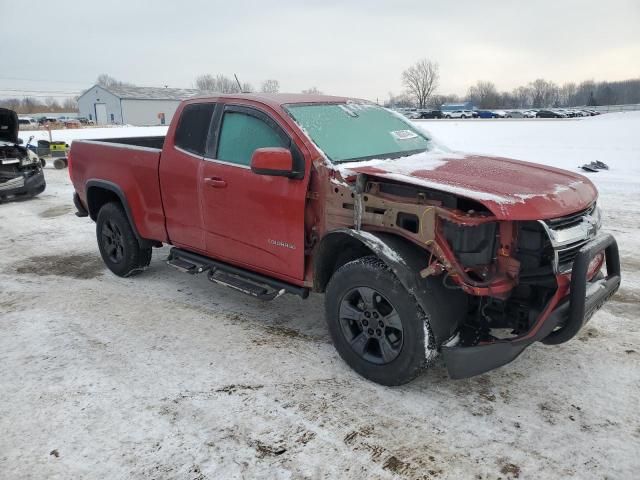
x=132, y=105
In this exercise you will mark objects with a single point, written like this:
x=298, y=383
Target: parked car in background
x=457, y=114
x=486, y=114
x=529, y=113
x=27, y=121
x=500, y=113
x=71, y=122
x=430, y=114
x=549, y=114
x=85, y=121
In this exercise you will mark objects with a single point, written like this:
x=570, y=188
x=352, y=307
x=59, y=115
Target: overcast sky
x=357, y=48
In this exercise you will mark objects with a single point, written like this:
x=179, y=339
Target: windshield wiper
x=384, y=156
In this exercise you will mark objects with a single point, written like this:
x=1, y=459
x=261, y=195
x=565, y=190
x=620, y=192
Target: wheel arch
x=404, y=258
x=101, y=192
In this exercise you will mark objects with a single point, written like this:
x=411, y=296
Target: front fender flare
x=446, y=307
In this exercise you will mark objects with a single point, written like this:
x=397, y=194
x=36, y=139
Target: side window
x=242, y=134
x=191, y=134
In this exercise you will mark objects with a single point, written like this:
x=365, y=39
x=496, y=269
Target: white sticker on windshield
x=403, y=134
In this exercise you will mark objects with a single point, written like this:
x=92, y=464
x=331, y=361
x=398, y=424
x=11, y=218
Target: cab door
x=180, y=173
x=253, y=220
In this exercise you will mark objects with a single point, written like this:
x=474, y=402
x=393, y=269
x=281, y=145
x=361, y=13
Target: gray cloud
x=356, y=48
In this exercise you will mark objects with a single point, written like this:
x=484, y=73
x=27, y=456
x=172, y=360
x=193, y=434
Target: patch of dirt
x=396, y=466
x=626, y=296
x=630, y=263
x=9, y=305
x=588, y=334
x=83, y=266
x=56, y=211
x=264, y=450
x=511, y=470
x=231, y=389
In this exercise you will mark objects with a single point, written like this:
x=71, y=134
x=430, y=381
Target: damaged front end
x=21, y=172
x=520, y=277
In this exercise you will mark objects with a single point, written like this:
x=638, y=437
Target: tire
x=118, y=244
x=383, y=341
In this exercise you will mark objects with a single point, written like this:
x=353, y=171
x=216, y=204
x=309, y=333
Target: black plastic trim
x=582, y=308
x=112, y=187
x=241, y=272
x=81, y=211
x=570, y=315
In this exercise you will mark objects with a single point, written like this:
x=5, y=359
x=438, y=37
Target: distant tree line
x=28, y=105
x=543, y=93
x=421, y=81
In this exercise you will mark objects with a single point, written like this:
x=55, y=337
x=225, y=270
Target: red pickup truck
x=417, y=249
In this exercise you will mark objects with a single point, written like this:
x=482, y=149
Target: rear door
x=253, y=220
x=180, y=173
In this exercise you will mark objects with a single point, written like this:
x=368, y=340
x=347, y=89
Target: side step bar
x=245, y=281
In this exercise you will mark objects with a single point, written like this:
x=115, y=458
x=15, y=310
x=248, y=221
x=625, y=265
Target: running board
x=245, y=281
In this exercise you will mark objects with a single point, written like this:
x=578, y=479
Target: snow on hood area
x=168, y=376
x=499, y=183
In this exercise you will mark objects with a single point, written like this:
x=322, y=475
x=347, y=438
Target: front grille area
x=570, y=220
x=567, y=255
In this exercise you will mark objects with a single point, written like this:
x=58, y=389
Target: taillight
x=595, y=265
x=69, y=163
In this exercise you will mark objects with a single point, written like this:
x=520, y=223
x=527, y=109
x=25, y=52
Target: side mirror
x=274, y=161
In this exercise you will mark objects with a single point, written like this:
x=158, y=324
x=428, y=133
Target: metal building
x=131, y=105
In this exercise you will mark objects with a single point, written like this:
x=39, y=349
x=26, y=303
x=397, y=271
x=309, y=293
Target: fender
x=112, y=187
x=406, y=260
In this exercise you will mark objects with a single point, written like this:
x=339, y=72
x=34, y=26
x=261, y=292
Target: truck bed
x=148, y=142
x=130, y=165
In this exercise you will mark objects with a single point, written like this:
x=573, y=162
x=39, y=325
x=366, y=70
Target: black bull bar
x=564, y=322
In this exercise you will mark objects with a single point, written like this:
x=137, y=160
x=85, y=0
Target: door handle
x=215, y=182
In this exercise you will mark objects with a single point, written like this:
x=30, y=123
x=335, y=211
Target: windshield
x=347, y=132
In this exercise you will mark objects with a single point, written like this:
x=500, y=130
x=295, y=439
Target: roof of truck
x=279, y=99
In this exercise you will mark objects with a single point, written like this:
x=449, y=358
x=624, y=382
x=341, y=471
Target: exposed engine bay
x=508, y=269
x=21, y=172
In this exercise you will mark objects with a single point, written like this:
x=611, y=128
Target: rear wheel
x=118, y=244
x=375, y=324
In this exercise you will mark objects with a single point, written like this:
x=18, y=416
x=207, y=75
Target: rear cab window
x=193, y=127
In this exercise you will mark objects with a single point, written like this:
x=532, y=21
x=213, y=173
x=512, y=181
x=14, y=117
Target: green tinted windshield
x=354, y=131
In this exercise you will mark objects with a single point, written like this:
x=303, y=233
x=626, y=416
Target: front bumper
x=560, y=322
x=26, y=184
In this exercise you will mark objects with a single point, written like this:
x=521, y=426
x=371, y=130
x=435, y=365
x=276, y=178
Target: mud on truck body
x=418, y=250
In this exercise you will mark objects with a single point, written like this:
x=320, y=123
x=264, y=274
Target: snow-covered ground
x=169, y=376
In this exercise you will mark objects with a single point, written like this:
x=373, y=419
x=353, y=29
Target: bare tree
x=523, y=97
x=421, y=80
x=107, y=81
x=270, y=86
x=544, y=93
x=313, y=91
x=484, y=95
x=70, y=104
x=220, y=84
x=438, y=100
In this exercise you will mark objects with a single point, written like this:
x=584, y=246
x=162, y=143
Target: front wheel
x=118, y=244
x=375, y=324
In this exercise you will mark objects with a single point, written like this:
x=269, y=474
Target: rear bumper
x=563, y=322
x=23, y=185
